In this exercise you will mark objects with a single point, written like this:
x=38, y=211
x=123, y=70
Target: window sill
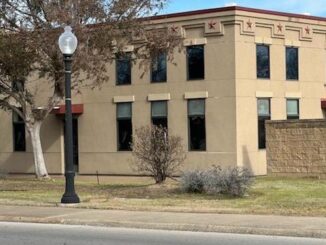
x=264, y=79
x=197, y=79
x=158, y=82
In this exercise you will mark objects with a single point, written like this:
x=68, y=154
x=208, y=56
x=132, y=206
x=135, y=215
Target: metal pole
x=70, y=195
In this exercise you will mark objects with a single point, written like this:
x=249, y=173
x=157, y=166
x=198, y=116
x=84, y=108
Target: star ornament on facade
x=211, y=25
x=249, y=24
x=279, y=28
x=174, y=29
x=307, y=29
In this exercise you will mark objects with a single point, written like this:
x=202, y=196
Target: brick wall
x=296, y=148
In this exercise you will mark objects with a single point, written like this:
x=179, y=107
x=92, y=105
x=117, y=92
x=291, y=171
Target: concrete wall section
x=296, y=148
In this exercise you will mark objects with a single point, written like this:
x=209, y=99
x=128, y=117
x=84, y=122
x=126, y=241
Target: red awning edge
x=77, y=109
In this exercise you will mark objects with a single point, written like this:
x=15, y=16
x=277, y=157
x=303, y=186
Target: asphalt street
x=49, y=234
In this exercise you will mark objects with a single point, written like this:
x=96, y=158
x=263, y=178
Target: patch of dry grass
x=286, y=196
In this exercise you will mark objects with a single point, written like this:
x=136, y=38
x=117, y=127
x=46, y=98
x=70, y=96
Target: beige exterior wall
x=22, y=162
x=309, y=89
x=97, y=126
x=230, y=88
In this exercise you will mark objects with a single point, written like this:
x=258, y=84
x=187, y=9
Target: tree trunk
x=160, y=178
x=40, y=168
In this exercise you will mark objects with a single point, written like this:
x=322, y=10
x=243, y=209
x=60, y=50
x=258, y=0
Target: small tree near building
x=29, y=52
x=157, y=153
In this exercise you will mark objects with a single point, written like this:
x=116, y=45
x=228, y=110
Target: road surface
x=41, y=234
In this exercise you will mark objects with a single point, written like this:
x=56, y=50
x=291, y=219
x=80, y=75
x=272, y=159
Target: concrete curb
x=313, y=233
x=314, y=227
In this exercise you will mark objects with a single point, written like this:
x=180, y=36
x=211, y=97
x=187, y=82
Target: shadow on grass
x=13, y=190
x=122, y=186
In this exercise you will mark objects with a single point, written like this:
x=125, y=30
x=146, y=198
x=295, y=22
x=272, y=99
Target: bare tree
x=29, y=30
x=157, y=153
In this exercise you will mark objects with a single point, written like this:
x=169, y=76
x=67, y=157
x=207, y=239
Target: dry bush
x=234, y=181
x=157, y=153
x=3, y=174
x=193, y=181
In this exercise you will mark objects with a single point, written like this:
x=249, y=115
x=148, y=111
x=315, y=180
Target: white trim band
x=158, y=97
x=121, y=99
x=293, y=95
x=264, y=94
x=196, y=95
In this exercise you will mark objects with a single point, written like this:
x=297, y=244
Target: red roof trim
x=233, y=8
x=77, y=109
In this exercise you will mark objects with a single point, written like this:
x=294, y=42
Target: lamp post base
x=70, y=195
x=70, y=199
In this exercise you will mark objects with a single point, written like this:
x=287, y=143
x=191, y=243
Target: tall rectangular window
x=158, y=73
x=124, y=126
x=18, y=133
x=196, y=62
x=196, y=125
x=292, y=109
x=263, y=115
x=123, y=69
x=160, y=113
x=292, y=67
x=263, y=61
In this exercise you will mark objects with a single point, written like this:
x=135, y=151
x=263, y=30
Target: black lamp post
x=68, y=44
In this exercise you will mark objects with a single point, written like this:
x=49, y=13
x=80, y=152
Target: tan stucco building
x=239, y=67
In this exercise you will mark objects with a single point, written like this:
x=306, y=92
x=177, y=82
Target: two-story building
x=239, y=67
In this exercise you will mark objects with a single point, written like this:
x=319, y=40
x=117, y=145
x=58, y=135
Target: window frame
x=189, y=130
x=18, y=86
x=269, y=61
x=293, y=117
x=187, y=63
x=118, y=128
x=166, y=69
x=263, y=118
x=160, y=117
x=15, y=122
x=119, y=58
x=286, y=64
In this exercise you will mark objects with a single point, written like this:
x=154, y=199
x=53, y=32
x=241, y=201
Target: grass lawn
x=269, y=195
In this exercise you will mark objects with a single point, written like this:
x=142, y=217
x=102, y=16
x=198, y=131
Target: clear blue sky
x=314, y=7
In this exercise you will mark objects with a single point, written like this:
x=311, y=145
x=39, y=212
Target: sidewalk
x=229, y=223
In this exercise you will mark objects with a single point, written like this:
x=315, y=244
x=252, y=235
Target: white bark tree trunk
x=40, y=168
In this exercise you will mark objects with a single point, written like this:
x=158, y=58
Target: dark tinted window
x=159, y=113
x=159, y=68
x=263, y=70
x=124, y=126
x=195, y=61
x=196, y=121
x=18, y=86
x=263, y=115
x=292, y=69
x=292, y=109
x=123, y=66
x=19, y=133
